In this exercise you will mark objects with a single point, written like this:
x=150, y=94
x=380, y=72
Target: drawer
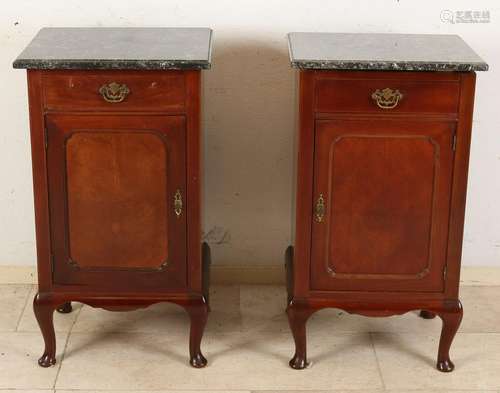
x=387, y=93
x=114, y=90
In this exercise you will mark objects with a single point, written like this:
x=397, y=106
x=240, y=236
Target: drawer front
x=387, y=93
x=114, y=90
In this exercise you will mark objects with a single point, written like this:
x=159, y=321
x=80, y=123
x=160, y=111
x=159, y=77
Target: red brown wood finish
x=380, y=198
x=422, y=92
x=117, y=195
x=151, y=90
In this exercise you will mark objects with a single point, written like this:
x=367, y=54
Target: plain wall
x=249, y=111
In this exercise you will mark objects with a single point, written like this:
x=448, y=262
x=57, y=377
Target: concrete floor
x=248, y=344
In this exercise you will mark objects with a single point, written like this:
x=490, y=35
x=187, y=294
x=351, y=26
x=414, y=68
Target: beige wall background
x=249, y=111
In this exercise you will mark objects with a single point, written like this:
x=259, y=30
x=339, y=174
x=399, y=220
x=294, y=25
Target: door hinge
x=46, y=137
x=445, y=270
x=454, y=142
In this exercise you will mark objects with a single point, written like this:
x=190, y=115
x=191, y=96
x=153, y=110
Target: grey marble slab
x=392, y=52
x=118, y=48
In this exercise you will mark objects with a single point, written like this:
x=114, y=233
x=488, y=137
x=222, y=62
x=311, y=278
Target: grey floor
x=248, y=344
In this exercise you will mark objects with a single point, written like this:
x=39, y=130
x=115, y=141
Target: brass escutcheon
x=114, y=92
x=178, y=203
x=387, y=98
x=319, y=211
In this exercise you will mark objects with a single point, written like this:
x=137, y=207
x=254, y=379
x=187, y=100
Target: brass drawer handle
x=387, y=98
x=114, y=92
x=320, y=209
x=178, y=203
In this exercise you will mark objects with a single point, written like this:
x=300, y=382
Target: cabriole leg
x=451, y=321
x=198, y=315
x=44, y=313
x=297, y=319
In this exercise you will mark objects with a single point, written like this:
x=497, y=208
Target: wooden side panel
x=459, y=189
x=304, y=186
x=194, y=181
x=385, y=185
x=40, y=187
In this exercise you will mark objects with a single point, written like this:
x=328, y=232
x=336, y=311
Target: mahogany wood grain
x=66, y=90
x=394, y=183
x=154, y=132
x=194, y=183
x=304, y=188
x=459, y=187
x=433, y=92
x=385, y=185
x=113, y=179
x=40, y=183
x=117, y=198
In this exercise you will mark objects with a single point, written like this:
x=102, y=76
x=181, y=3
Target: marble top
x=118, y=48
x=392, y=52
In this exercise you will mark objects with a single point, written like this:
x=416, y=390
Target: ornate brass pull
x=387, y=98
x=320, y=209
x=178, y=203
x=114, y=92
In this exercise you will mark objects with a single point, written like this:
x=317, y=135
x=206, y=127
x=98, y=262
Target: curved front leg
x=297, y=319
x=451, y=321
x=44, y=313
x=198, y=314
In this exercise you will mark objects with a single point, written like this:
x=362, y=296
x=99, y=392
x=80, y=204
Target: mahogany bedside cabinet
x=116, y=144
x=383, y=147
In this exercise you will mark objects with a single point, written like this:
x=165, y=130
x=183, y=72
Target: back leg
x=65, y=308
x=427, y=314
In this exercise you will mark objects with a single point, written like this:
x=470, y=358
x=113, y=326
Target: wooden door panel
x=113, y=180
x=117, y=200
x=385, y=186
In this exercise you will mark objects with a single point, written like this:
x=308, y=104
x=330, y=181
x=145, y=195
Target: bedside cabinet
x=115, y=136
x=383, y=148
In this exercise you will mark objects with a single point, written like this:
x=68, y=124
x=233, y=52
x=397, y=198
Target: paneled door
x=381, y=204
x=117, y=199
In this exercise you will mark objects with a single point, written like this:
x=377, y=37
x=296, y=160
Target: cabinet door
x=117, y=200
x=381, y=204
